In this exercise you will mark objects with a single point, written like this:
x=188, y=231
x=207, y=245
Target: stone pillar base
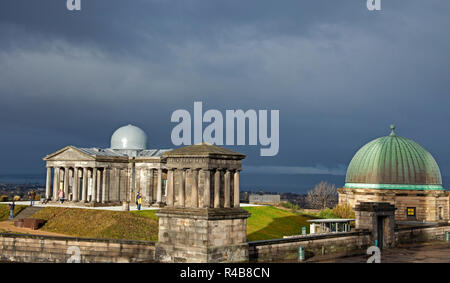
x=202, y=235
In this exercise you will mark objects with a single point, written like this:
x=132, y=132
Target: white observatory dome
x=129, y=137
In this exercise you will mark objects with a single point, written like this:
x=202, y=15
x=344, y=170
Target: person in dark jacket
x=11, y=210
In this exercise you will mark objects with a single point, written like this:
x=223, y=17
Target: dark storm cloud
x=339, y=74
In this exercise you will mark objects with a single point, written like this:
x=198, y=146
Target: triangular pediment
x=69, y=153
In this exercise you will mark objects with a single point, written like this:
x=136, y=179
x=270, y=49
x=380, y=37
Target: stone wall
x=315, y=245
x=421, y=234
x=202, y=235
x=36, y=248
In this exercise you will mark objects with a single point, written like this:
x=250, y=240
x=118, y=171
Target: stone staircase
x=27, y=212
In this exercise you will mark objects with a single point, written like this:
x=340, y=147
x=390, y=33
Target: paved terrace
x=112, y=208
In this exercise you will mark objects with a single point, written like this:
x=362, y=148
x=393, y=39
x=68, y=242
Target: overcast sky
x=338, y=73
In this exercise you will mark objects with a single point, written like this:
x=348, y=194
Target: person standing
x=139, y=201
x=32, y=197
x=61, y=196
x=11, y=210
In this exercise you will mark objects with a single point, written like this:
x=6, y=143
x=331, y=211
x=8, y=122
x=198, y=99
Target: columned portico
x=109, y=176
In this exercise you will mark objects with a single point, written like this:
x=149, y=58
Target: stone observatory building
x=401, y=172
x=112, y=175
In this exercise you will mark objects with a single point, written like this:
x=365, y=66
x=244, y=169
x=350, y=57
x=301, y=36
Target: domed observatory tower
x=397, y=170
x=129, y=140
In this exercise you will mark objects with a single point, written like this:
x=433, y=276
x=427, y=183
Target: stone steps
x=27, y=212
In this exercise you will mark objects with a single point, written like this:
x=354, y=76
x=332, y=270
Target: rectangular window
x=411, y=211
x=440, y=213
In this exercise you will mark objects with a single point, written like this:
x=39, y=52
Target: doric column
x=150, y=186
x=99, y=186
x=104, y=185
x=159, y=190
x=94, y=184
x=207, y=188
x=217, y=188
x=66, y=182
x=56, y=184
x=182, y=183
x=236, y=189
x=85, y=185
x=48, y=184
x=76, y=185
x=194, y=190
x=227, y=189
x=170, y=186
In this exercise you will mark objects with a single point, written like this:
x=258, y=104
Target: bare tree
x=323, y=195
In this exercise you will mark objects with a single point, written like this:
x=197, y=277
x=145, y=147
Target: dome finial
x=392, y=131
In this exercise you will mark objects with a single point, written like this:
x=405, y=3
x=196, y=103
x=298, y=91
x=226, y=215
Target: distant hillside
x=299, y=184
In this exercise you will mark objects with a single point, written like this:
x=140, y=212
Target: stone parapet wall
x=421, y=234
x=36, y=248
x=287, y=249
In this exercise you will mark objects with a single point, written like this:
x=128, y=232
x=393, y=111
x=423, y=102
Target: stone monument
x=202, y=220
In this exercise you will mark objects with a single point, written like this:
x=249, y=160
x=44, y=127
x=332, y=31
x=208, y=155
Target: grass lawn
x=4, y=211
x=267, y=222
x=105, y=224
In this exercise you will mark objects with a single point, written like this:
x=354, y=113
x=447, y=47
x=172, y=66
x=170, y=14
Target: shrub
x=343, y=211
x=326, y=213
x=3, y=198
x=16, y=198
x=289, y=205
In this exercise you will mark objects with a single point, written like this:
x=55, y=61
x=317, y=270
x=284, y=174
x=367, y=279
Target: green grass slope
x=105, y=224
x=267, y=222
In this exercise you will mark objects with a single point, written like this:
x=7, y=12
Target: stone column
x=99, y=186
x=227, y=195
x=159, y=190
x=150, y=186
x=182, y=183
x=194, y=191
x=76, y=185
x=85, y=185
x=56, y=184
x=94, y=184
x=66, y=182
x=207, y=188
x=217, y=188
x=236, y=189
x=104, y=187
x=170, y=187
x=48, y=184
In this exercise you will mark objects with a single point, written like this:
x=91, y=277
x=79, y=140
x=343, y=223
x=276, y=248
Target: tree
x=322, y=196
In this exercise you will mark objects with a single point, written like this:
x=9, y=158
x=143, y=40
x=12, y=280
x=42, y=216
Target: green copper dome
x=393, y=162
